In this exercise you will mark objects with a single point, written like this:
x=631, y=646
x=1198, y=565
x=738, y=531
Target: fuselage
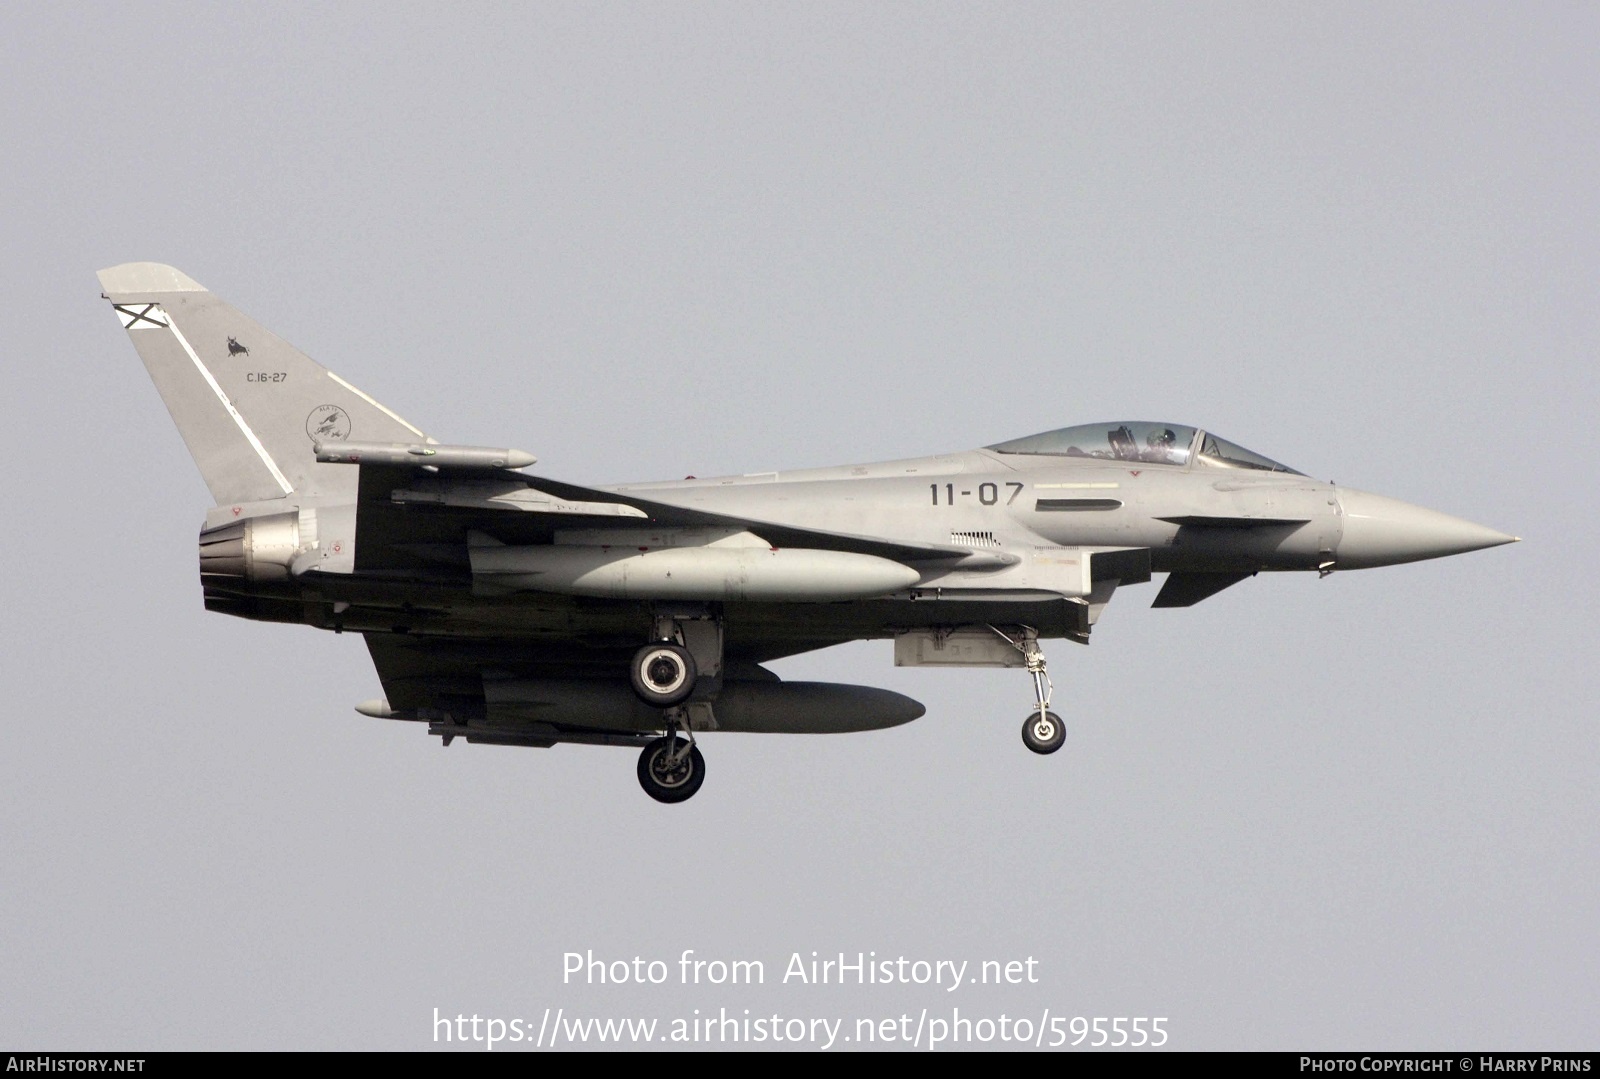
x=994, y=534
x=1193, y=517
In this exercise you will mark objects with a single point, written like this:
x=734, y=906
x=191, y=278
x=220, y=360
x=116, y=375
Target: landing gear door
x=957, y=646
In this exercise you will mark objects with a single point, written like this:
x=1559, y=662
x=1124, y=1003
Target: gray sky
x=643, y=241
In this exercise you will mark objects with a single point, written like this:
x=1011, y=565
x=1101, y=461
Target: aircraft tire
x=1043, y=735
x=665, y=783
x=662, y=674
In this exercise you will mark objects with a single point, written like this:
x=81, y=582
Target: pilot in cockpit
x=1161, y=447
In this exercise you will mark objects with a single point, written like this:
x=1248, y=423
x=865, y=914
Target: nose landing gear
x=1043, y=732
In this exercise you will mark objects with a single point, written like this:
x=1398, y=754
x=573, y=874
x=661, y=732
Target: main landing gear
x=1043, y=732
x=663, y=674
x=671, y=769
x=683, y=659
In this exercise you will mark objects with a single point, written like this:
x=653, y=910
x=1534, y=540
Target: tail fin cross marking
x=141, y=317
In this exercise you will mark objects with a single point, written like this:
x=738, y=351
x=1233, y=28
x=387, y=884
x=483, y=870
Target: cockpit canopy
x=1146, y=443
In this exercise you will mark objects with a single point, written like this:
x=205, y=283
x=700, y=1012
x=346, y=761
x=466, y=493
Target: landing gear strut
x=671, y=769
x=1043, y=732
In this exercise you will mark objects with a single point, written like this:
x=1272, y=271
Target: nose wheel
x=1043, y=732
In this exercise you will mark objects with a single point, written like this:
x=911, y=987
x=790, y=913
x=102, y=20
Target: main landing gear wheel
x=662, y=674
x=671, y=770
x=1043, y=732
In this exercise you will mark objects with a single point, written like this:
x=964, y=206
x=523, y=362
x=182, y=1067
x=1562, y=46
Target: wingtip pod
x=421, y=454
x=142, y=278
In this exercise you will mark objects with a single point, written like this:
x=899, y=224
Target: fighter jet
x=506, y=608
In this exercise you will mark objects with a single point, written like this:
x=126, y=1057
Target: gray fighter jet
x=510, y=609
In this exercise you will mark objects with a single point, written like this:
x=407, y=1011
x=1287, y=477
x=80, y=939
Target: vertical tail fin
x=248, y=404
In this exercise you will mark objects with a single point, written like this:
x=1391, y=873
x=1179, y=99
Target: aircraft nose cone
x=1381, y=531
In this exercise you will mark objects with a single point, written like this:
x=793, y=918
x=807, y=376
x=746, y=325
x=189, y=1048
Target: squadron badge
x=328, y=422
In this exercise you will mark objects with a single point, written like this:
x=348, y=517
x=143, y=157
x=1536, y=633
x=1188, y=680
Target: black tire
x=669, y=784
x=1043, y=734
x=662, y=674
